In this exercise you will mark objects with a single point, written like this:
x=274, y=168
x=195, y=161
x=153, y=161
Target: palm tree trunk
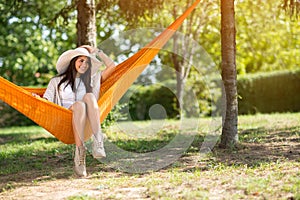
x=229, y=136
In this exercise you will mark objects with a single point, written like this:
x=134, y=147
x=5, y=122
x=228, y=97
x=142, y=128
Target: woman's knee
x=78, y=106
x=89, y=98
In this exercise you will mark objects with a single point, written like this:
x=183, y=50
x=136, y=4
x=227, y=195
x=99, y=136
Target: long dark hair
x=69, y=76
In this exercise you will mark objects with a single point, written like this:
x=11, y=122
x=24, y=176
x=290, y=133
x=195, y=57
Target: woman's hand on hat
x=90, y=48
x=93, y=50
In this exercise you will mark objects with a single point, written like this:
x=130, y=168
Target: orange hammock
x=58, y=120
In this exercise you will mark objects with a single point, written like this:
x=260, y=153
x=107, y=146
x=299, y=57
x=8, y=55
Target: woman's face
x=81, y=65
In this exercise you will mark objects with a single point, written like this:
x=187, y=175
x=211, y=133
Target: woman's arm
x=109, y=63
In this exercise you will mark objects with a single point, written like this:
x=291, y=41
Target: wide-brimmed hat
x=65, y=58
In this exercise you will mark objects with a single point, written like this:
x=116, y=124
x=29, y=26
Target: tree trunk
x=179, y=72
x=229, y=136
x=86, y=23
x=180, y=83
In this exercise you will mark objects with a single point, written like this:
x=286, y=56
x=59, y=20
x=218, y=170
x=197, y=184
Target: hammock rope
x=56, y=119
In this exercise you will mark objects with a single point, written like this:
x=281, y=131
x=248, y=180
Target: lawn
x=34, y=165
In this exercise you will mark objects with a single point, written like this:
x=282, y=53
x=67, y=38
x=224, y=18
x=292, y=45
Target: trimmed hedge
x=258, y=93
x=269, y=92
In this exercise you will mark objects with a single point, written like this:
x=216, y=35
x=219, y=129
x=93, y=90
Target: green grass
x=264, y=166
x=27, y=148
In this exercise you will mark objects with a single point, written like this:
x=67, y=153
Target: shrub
x=269, y=92
x=143, y=98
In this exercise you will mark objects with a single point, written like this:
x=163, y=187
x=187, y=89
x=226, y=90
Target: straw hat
x=65, y=58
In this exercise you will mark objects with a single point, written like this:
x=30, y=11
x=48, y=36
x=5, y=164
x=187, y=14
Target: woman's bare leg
x=78, y=121
x=93, y=113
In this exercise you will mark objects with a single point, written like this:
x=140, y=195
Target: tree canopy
x=292, y=7
x=34, y=33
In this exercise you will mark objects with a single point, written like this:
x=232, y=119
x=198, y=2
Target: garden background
x=265, y=165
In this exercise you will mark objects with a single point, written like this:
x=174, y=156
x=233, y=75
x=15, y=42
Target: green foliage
x=266, y=39
x=29, y=43
x=114, y=115
x=142, y=9
x=26, y=55
x=143, y=98
x=208, y=94
x=266, y=93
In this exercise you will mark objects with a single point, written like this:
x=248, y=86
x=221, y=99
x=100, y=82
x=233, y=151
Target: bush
x=143, y=98
x=269, y=92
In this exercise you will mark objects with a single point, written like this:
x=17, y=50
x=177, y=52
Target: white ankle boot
x=79, y=161
x=98, y=146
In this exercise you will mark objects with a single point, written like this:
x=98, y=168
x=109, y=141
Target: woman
x=77, y=88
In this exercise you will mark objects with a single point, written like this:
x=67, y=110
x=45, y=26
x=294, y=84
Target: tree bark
x=86, y=23
x=179, y=72
x=229, y=136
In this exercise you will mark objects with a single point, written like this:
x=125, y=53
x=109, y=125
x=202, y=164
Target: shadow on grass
x=272, y=144
x=257, y=147
x=28, y=158
x=14, y=138
x=144, y=145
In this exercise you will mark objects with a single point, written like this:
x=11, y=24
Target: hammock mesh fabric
x=58, y=120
